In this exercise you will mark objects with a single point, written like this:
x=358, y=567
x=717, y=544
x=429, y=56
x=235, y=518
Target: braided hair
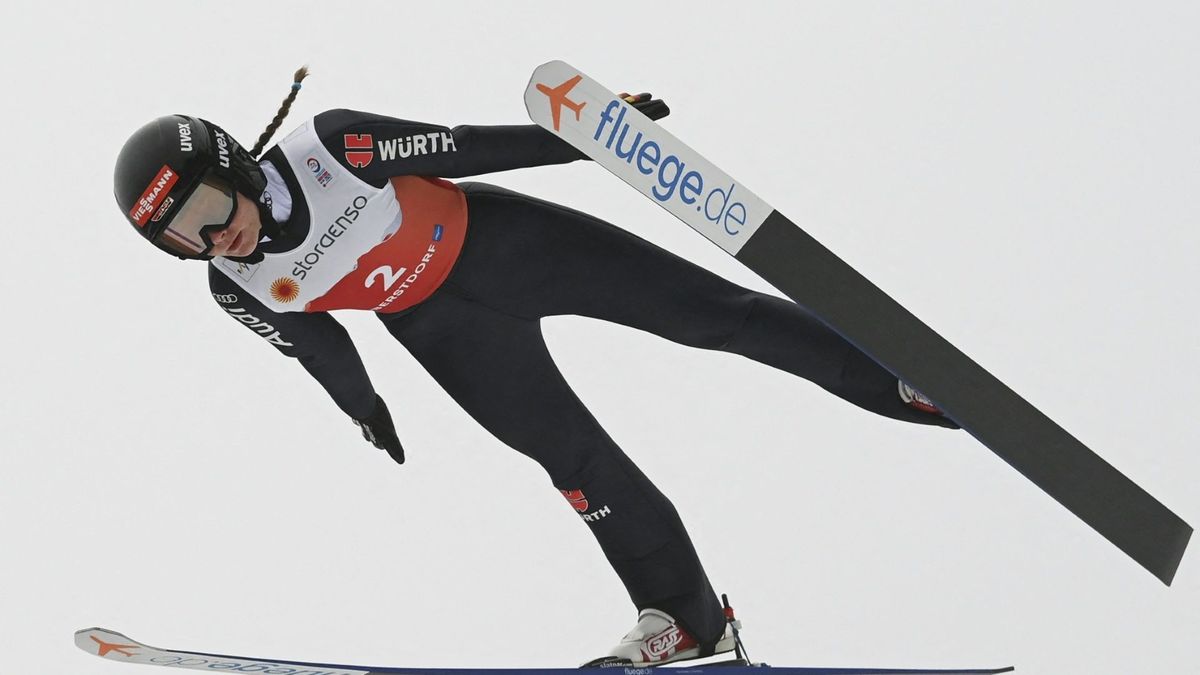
x=283, y=111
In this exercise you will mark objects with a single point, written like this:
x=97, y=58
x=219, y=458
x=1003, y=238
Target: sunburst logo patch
x=285, y=289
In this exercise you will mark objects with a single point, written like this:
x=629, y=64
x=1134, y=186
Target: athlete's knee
x=568, y=456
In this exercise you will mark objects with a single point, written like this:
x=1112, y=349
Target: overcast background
x=1021, y=176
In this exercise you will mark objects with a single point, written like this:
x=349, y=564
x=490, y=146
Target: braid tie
x=283, y=111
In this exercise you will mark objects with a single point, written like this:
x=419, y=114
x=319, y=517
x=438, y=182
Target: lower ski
x=116, y=647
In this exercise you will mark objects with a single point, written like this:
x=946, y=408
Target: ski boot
x=657, y=639
x=917, y=400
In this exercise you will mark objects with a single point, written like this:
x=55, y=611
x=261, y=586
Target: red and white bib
x=380, y=249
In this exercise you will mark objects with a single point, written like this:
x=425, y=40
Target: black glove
x=654, y=108
x=378, y=429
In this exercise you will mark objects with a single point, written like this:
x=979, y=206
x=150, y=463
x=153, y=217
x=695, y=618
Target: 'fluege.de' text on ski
x=730, y=215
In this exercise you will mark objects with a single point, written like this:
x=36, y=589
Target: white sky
x=1022, y=176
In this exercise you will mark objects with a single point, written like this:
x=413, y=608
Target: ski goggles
x=209, y=207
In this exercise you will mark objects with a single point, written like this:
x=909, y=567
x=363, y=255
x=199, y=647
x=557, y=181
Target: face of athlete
x=243, y=233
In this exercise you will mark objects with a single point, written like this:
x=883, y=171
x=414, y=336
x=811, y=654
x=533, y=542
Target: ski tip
x=556, y=64
x=547, y=92
x=101, y=641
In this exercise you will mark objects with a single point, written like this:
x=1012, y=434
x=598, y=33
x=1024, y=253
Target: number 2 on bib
x=387, y=274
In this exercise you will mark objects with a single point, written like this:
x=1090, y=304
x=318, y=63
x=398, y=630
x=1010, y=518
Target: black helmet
x=175, y=181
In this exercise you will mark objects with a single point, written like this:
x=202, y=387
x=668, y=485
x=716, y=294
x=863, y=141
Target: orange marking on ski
x=558, y=98
x=106, y=647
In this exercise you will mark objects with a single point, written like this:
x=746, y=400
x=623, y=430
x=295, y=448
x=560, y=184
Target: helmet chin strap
x=266, y=181
x=253, y=258
x=266, y=215
x=270, y=228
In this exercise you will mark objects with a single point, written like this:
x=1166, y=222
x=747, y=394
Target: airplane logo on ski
x=558, y=98
x=106, y=647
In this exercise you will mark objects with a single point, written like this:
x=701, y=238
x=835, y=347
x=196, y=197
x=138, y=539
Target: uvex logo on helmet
x=222, y=148
x=185, y=136
x=154, y=194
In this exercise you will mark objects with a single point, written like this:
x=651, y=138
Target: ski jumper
x=462, y=274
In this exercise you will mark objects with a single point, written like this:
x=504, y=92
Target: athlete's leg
x=533, y=258
x=497, y=367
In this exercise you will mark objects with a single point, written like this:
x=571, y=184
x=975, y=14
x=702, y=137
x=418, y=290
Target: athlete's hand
x=379, y=431
x=645, y=103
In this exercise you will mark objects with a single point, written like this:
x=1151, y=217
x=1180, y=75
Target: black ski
x=615, y=135
x=1091, y=488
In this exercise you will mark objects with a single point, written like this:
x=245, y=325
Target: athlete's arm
x=317, y=340
x=376, y=147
